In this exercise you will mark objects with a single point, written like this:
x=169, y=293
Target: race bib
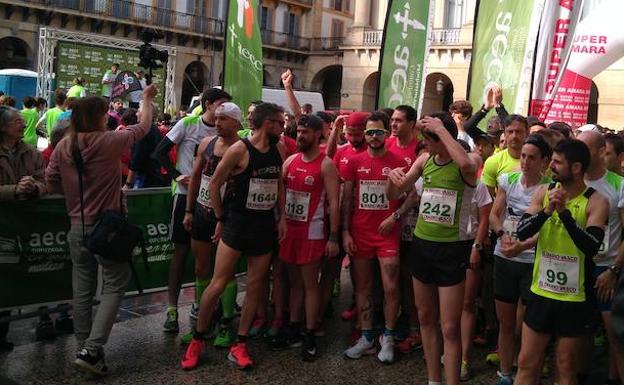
x=438, y=205
x=297, y=205
x=203, y=197
x=409, y=222
x=373, y=195
x=559, y=274
x=510, y=226
x=262, y=194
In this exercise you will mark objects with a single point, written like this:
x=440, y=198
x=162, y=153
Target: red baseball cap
x=358, y=119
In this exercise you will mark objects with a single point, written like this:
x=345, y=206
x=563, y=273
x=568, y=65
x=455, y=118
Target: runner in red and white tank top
x=311, y=182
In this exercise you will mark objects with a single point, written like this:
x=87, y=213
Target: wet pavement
x=139, y=352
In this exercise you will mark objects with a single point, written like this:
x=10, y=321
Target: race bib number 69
x=262, y=194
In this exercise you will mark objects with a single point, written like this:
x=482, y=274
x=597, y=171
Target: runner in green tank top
x=569, y=219
x=440, y=250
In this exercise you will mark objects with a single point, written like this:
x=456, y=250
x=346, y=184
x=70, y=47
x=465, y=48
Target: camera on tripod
x=151, y=58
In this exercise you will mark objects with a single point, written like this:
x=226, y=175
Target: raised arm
x=293, y=103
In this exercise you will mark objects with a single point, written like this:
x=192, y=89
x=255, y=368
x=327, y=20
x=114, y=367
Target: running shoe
x=309, y=352
x=225, y=337
x=64, y=325
x=275, y=328
x=93, y=364
x=386, y=353
x=361, y=347
x=492, y=358
x=194, y=313
x=412, y=343
x=171, y=323
x=45, y=330
x=465, y=372
x=504, y=380
x=239, y=356
x=192, y=354
x=257, y=327
x=349, y=314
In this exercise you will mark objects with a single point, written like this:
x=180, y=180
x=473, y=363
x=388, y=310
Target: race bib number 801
x=438, y=205
x=373, y=195
x=262, y=194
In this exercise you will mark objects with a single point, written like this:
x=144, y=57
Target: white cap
x=588, y=127
x=230, y=110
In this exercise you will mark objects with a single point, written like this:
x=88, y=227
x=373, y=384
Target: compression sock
x=200, y=286
x=228, y=299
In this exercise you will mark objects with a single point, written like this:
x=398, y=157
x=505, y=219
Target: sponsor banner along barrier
x=35, y=266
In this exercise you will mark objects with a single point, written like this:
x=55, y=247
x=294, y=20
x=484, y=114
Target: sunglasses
x=375, y=132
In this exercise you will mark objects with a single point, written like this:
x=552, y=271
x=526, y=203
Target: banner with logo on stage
x=578, y=48
x=243, y=71
x=404, y=53
x=505, y=35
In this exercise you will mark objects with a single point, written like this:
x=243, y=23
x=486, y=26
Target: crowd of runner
x=514, y=231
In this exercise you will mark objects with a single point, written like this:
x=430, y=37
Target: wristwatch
x=396, y=215
x=477, y=246
x=615, y=269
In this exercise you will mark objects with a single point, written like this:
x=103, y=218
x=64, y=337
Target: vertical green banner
x=404, y=53
x=242, y=68
x=503, y=47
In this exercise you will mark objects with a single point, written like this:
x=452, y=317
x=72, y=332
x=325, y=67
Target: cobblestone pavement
x=140, y=353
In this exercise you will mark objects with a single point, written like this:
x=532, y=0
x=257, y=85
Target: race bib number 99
x=262, y=194
x=438, y=205
x=559, y=274
x=297, y=205
x=373, y=195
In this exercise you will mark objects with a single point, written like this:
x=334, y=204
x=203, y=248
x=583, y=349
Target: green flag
x=242, y=67
x=502, y=50
x=404, y=54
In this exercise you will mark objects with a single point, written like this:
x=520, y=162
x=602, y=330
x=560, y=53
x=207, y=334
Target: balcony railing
x=444, y=36
x=280, y=39
x=304, y=2
x=139, y=13
x=372, y=37
x=326, y=43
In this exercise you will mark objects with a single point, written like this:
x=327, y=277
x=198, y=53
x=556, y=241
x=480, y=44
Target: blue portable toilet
x=18, y=83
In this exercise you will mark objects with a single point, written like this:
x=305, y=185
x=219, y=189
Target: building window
x=336, y=4
x=455, y=13
x=265, y=18
x=291, y=27
x=337, y=28
x=218, y=9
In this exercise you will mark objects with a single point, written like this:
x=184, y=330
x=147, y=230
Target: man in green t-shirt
x=507, y=160
x=51, y=116
x=30, y=116
x=569, y=218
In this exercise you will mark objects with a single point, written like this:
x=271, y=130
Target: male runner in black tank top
x=246, y=217
x=199, y=219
